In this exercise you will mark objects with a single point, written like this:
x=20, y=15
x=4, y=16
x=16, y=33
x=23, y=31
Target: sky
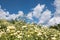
x=13, y=6
x=45, y=12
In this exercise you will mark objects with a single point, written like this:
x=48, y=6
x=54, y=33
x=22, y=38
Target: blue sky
x=44, y=12
x=13, y=6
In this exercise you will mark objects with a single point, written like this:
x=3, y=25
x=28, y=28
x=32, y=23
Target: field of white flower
x=19, y=30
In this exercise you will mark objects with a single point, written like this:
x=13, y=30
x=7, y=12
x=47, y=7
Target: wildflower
x=8, y=30
x=35, y=30
x=24, y=26
x=11, y=34
x=59, y=33
x=0, y=26
x=18, y=36
x=1, y=33
x=18, y=31
x=53, y=38
x=28, y=35
x=46, y=36
x=21, y=33
x=15, y=33
x=10, y=27
x=39, y=33
x=55, y=35
x=12, y=31
x=31, y=32
x=44, y=33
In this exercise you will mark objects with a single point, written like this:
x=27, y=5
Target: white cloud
x=45, y=17
x=30, y=16
x=14, y=16
x=56, y=18
x=20, y=13
x=8, y=16
x=37, y=13
x=37, y=10
x=57, y=4
x=3, y=14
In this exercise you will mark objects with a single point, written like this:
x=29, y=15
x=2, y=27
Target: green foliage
x=20, y=30
x=57, y=27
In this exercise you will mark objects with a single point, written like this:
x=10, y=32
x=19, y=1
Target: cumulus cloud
x=20, y=13
x=38, y=13
x=57, y=4
x=37, y=10
x=3, y=14
x=56, y=18
x=8, y=16
x=45, y=17
x=30, y=16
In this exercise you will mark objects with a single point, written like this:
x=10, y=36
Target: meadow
x=20, y=30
